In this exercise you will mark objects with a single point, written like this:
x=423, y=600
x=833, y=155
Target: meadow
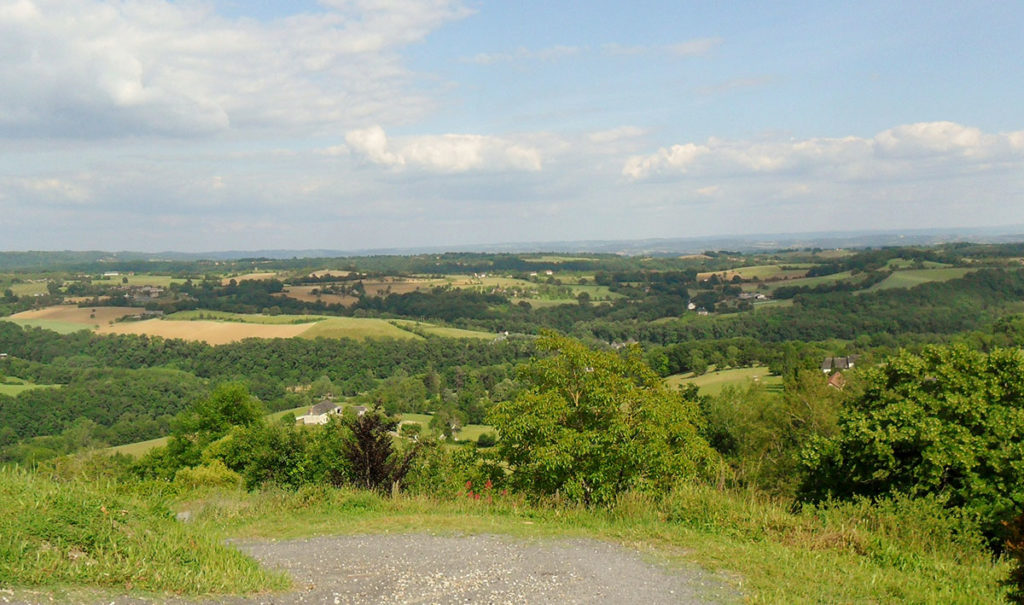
x=712, y=383
x=909, y=278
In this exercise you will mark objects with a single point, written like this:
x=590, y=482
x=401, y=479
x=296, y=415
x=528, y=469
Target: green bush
x=948, y=422
x=211, y=474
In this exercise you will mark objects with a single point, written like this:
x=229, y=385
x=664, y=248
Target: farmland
x=712, y=383
x=909, y=278
x=212, y=332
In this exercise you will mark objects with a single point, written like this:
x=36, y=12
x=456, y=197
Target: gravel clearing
x=419, y=568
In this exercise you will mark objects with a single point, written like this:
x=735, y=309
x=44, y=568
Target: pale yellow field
x=248, y=277
x=79, y=315
x=330, y=273
x=212, y=332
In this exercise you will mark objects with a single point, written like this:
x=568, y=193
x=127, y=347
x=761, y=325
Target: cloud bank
x=448, y=153
x=907, y=151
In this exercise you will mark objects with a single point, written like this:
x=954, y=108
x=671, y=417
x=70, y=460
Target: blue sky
x=155, y=125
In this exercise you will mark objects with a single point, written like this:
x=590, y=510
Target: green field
x=442, y=330
x=915, y=277
x=61, y=327
x=251, y=318
x=810, y=281
x=470, y=432
x=357, y=328
x=712, y=383
x=28, y=288
x=13, y=386
x=161, y=281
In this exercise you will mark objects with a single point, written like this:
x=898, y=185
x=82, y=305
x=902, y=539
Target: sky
x=153, y=125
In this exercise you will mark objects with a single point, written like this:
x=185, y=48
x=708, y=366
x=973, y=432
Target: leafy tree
x=949, y=422
x=374, y=462
x=595, y=424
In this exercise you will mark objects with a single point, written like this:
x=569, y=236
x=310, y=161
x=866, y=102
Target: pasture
x=761, y=272
x=138, y=279
x=915, y=277
x=712, y=383
x=12, y=386
x=357, y=328
x=29, y=288
x=65, y=319
x=442, y=330
x=252, y=318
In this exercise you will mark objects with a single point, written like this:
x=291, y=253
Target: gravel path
x=418, y=568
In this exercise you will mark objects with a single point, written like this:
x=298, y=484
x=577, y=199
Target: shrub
x=1015, y=550
x=948, y=423
x=212, y=474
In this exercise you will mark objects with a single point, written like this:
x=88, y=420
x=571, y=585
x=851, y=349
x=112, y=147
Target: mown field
x=908, y=278
x=72, y=315
x=218, y=327
x=712, y=383
x=12, y=386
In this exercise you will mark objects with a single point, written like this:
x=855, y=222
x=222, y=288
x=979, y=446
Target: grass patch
x=446, y=332
x=95, y=535
x=712, y=383
x=357, y=328
x=60, y=327
x=915, y=277
x=162, y=281
x=251, y=318
x=29, y=288
x=12, y=386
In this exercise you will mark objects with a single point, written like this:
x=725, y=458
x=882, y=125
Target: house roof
x=324, y=407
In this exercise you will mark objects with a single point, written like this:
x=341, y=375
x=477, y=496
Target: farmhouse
x=830, y=364
x=320, y=413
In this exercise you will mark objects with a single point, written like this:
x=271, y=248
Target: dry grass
x=211, y=332
x=305, y=294
x=248, y=277
x=86, y=316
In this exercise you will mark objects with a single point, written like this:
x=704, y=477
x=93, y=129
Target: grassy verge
x=897, y=552
x=122, y=536
x=85, y=534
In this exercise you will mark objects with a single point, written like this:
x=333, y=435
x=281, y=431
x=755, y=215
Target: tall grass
x=95, y=534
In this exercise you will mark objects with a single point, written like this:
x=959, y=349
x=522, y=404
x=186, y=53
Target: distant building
x=832, y=364
x=320, y=413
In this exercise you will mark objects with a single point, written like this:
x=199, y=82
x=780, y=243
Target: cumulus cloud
x=903, y=150
x=92, y=68
x=448, y=153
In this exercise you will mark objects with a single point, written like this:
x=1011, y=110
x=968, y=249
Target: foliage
x=374, y=461
x=1015, y=550
x=948, y=422
x=762, y=433
x=595, y=424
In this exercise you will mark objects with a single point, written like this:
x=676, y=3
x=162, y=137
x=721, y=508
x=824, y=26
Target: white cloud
x=525, y=54
x=448, y=153
x=92, y=68
x=902, y=152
